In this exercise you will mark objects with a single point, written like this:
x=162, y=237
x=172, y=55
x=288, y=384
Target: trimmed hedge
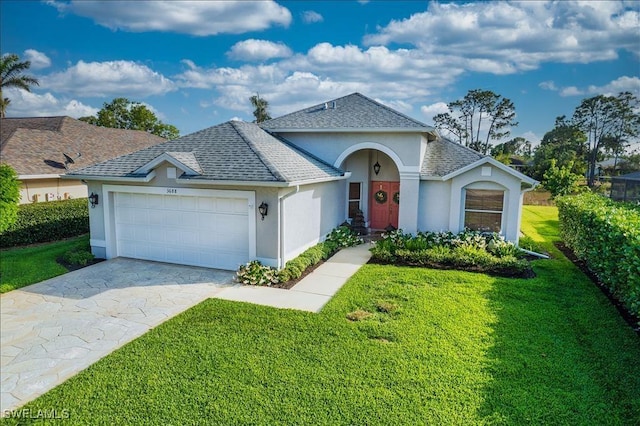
x=44, y=222
x=606, y=235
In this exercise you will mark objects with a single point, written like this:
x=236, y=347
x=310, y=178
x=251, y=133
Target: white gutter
x=30, y=177
x=259, y=183
x=145, y=179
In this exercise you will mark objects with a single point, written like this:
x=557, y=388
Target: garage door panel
x=188, y=203
x=193, y=230
x=208, y=221
x=155, y=201
x=156, y=217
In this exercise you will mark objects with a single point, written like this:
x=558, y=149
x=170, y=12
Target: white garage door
x=190, y=230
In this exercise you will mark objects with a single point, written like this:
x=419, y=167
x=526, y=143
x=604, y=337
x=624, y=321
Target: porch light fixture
x=376, y=167
x=263, y=208
x=93, y=198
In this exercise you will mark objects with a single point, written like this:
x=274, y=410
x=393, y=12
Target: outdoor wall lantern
x=93, y=198
x=263, y=208
x=376, y=168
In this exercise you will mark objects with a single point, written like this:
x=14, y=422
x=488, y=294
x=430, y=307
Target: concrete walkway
x=52, y=330
x=313, y=291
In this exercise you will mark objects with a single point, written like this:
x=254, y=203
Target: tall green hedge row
x=606, y=235
x=44, y=222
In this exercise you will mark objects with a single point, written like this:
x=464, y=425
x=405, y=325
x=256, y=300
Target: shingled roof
x=231, y=151
x=351, y=112
x=444, y=156
x=35, y=146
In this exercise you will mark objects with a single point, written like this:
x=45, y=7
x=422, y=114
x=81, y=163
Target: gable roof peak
x=352, y=113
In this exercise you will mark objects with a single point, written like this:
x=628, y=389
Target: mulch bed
x=529, y=273
x=630, y=318
x=73, y=267
x=288, y=284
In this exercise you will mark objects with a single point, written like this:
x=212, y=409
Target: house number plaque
x=172, y=191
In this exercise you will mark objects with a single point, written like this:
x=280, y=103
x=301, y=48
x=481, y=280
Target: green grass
x=20, y=267
x=396, y=345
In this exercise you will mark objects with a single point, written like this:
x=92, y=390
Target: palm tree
x=11, y=75
x=260, y=113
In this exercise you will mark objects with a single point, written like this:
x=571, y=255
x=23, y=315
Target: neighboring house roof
x=234, y=151
x=349, y=113
x=628, y=176
x=35, y=146
x=443, y=157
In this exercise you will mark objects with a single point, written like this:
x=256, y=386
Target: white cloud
x=38, y=59
x=548, y=85
x=258, y=50
x=621, y=84
x=28, y=104
x=311, y=17
x=505, y=37
x=124, y=78
x=531, y=137
x=430, y=111
x=200, y=18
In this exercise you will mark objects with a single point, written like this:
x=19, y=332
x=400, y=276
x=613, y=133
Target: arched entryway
x=374, y=185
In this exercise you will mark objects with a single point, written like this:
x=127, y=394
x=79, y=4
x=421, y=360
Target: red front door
x=385, y=203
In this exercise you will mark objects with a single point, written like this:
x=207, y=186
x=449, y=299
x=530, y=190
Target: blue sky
x=196, y=63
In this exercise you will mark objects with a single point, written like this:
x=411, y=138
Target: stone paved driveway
x=52, y=330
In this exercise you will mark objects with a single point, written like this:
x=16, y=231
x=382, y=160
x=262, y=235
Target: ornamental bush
x=9, y=196
x=254, y=273
x=606, y=235
x=468, y=250
x=50, y=221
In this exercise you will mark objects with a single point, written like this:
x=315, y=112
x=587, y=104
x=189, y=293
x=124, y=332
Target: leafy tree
x=9, y=196
x=260, y=106
x=11, y=75
x=516, y=150
x=561, y=180
x=517, y=146
x=607, y=121
x=565, y=143
x=121, y=113
x=467, y=116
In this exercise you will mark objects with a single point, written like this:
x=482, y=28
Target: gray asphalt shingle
x=444, y=156
x=354, y=111
x=231, y=151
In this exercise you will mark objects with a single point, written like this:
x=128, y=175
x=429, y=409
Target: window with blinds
x=483, y=210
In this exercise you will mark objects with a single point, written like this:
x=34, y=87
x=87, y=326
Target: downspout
x=281, y=234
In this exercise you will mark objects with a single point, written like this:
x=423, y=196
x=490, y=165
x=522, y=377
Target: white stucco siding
x=487, y=177
x=329, y=146
x=433, y=206
x=266, y=231
x=310, y=214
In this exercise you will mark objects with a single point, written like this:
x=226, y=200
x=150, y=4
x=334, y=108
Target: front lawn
x=20, y=267
x=397, y=345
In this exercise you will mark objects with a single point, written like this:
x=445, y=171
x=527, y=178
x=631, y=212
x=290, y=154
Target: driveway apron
x=52, y=330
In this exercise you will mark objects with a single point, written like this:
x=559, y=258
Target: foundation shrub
x=468, y=250
x=254, y=273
